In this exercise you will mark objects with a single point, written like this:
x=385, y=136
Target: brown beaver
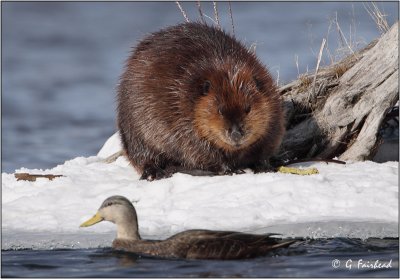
x=194, y=99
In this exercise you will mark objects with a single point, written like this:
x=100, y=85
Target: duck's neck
x=127, y=232
x=128, y=229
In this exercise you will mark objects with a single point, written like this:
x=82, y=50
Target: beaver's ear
x=259, y=83
x=206, y=87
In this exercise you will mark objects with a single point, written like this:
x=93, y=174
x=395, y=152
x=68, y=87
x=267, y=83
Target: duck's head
x=120, y=211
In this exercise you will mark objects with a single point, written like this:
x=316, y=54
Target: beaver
x=194, y=99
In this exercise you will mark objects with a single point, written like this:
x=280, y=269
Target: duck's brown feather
x=205, y=244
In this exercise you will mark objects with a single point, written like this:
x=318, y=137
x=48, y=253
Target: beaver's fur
x=193, y=98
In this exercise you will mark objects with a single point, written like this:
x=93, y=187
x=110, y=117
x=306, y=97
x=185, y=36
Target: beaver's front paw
x=151, y=173
x=263, y=166
x=226, y=170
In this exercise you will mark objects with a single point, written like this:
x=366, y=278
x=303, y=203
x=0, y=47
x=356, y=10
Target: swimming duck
x=190, y=244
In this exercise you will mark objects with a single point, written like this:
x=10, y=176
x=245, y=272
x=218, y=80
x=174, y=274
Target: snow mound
x=353, y=200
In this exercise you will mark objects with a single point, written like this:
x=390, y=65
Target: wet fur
x=169, y=122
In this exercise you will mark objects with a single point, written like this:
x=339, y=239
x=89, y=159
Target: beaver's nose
x=236, y=133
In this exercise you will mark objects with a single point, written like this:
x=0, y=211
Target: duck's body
x=191, y=244
x=204, y=244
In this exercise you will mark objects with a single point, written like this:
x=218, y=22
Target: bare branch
x=296, y=60
x=316, y=70
x=377, y=16
x=210, y=18
x=231, y=15
x=253, y=48
x=277, y=78
x=342, y=36
x=200, y=12
x=216, y=14
x=182, y=11
x=327, y=43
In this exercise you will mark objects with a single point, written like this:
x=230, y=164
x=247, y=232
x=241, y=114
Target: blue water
x=308, y=258
x=60, y=67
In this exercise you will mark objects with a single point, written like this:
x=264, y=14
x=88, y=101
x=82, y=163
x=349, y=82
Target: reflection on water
x=123, y=259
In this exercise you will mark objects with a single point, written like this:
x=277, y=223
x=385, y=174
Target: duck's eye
x=247, y=109
x=206, y=87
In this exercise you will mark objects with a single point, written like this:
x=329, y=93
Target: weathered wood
x=113, y=157
x=32, y=177
x=342, y=116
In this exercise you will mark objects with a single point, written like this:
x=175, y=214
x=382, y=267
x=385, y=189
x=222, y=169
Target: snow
x=359, y=199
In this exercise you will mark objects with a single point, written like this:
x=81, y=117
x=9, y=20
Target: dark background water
x=309, y=258
x=61, y=62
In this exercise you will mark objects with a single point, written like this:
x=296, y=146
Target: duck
x=189, y=244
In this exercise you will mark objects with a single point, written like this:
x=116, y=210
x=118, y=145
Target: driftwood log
x=341, y=112
x=32, y=177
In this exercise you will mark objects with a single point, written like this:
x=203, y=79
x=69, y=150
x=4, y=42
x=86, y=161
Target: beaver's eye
x=220, y=110
x=206, y=87
x=247, y=109
x=259, y=84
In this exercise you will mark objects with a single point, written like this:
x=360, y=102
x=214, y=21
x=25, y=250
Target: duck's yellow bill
x=94, y=220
